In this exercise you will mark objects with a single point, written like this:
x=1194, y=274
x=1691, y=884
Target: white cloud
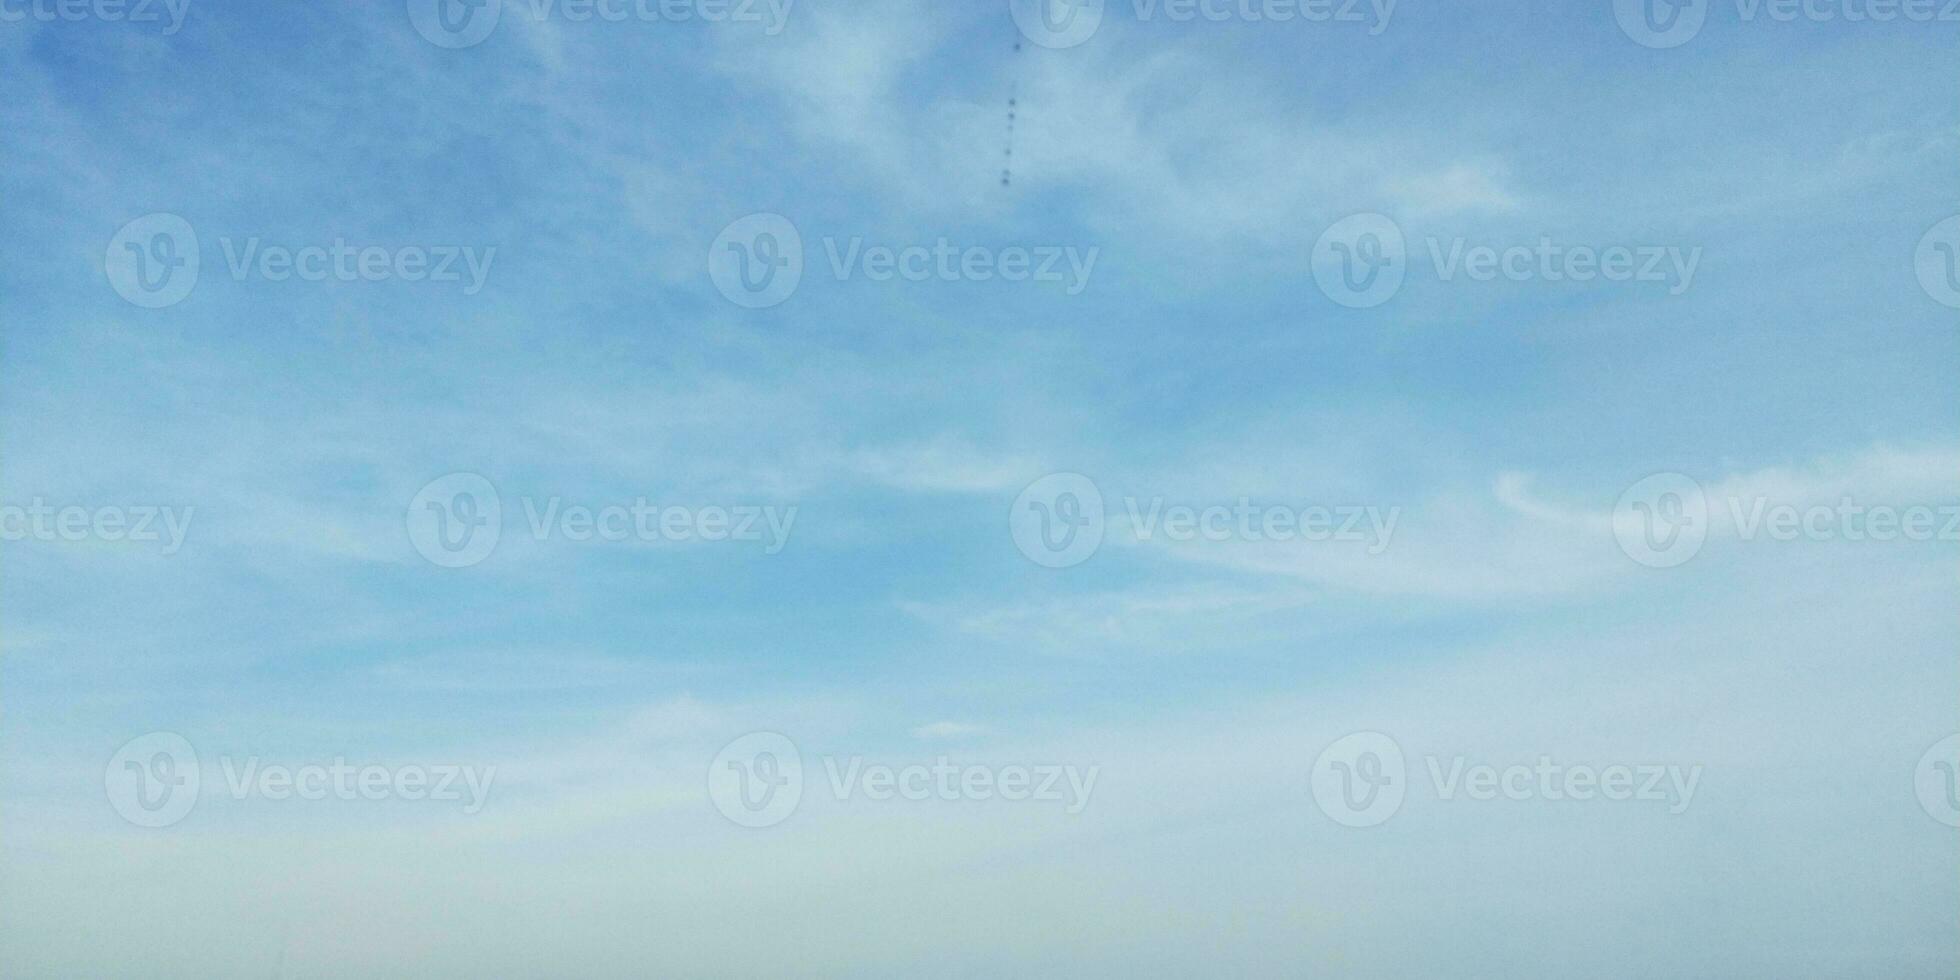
x=1515, y=544
x=1458, y=188
x=943, y=465
x=1180, y=146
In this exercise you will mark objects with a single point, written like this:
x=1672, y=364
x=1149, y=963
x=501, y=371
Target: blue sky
x=1201, y=362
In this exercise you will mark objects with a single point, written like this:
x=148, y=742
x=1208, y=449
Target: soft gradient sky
x=1201, y=364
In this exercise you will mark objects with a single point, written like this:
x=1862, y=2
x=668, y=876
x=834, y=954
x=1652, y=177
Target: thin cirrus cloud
x=1500, y=421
